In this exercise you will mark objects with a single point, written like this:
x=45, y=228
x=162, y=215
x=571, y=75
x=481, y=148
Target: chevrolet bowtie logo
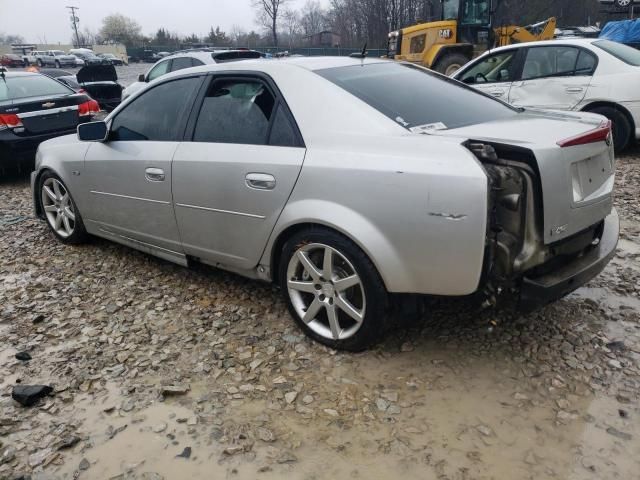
x=48, y=105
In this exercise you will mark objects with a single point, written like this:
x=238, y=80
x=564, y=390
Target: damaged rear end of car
x=551, y=225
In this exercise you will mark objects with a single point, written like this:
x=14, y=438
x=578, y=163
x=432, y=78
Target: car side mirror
x=141, y=78
x=93, y=132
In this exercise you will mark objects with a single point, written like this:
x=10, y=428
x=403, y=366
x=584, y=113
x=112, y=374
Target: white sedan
x=589, y=75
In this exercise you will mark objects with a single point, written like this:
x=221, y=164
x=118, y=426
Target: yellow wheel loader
x=464, y=32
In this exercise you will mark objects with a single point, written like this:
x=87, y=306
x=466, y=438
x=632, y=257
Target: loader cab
x=474, y=19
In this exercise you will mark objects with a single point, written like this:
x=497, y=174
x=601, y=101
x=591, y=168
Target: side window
x=235, y=111
x=417, y=43
x=282, y=132
x=158, y=70
x=586, y=63
x=156, y=114
x=550, y=62
x=180, y=63
x=492, y=69
x=196, y=62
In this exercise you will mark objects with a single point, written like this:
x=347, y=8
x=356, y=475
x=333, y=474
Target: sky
x=47, y=21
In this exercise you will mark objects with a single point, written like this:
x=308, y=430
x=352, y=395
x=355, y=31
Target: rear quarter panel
x=397, y=198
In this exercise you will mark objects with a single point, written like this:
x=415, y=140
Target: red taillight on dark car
x=600, y=134
x=9, y=120
x=89, y=107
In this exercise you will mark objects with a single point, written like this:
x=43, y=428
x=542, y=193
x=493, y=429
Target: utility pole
x=75, y=21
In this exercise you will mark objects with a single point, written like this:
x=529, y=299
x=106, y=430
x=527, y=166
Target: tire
x=450, y=63
x=56, y=203
x=39, y=63
x=621, y=127
x=305, y=287
x=57, y=64
x=622, y=3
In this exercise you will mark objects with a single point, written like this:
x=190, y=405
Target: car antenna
x=362, y=54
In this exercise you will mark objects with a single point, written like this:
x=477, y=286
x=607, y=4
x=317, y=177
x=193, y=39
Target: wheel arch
x=604, y=103
x=37, y=204
x=352, y=226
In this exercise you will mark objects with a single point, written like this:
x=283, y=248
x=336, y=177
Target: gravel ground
x=164, y=372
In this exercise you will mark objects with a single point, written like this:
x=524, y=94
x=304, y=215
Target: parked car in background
x=34, y=108
x=79, y=61
x=111, y=58
x=53, y=58
x=11, y=60
x=589, y=75
x=88, y=57
x=388, y=178
x=30, y=58
x=188, y=59
x=99, y=81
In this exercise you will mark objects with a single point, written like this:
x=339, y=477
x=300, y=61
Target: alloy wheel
x=58, y=207
x=326, y=291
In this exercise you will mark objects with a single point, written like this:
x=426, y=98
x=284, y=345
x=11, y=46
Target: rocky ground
x=164, y=372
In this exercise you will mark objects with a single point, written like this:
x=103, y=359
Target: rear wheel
x=450, y=64
x=60, y=210
x=332, y=290
x=621, y=127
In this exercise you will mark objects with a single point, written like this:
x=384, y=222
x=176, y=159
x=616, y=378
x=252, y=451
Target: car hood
x=97, y=73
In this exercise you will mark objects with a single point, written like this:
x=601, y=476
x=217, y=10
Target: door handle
x=496, y=93
x=260, y=181
x=574, y=89
x=154, y=174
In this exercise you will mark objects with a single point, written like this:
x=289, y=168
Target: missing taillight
x=9, y=120
x=600, y=134
x=90, y=107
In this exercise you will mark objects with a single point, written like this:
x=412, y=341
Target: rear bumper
x=540, y=291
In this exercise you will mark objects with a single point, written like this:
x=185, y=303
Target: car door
x=231, y=182
x=492, y=74
x=554, y=77
x=128, y=177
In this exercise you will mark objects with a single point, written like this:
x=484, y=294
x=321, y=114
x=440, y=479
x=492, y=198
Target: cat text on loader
x=464, y=32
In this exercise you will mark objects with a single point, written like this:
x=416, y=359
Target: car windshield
x=415, y=97
x=13, y=88
x=622, y=52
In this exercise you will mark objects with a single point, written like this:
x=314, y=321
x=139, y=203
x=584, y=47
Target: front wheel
x=450, y=64
x=332, y=290
x=60, y=210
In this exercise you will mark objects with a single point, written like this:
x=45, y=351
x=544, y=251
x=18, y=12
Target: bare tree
x=313, y=17
x=291, y=25
x=268, y=15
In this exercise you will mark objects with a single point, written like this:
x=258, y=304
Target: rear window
x=233, y=56
x=416, y=98
x=13, y=88
x=622, y=52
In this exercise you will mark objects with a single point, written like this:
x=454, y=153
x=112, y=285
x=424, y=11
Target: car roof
x=578, y=41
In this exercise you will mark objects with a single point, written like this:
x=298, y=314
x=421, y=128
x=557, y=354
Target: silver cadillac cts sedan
x=343, y=180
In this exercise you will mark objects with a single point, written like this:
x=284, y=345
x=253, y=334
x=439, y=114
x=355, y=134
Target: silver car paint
x=416, y=204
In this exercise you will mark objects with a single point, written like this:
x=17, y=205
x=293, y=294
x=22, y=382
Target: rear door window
x=560, y=61
x=158, y=114
x=235, y=111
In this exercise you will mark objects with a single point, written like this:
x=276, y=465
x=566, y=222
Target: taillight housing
x=90, y=107
x=600, y=134
x=9, y=120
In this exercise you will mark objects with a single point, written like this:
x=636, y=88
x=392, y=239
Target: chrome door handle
x=260, y=181
x=497, y=93
x=154, y=174
x=574, y=89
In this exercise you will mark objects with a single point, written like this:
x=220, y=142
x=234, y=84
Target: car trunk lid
x=575, y=161
x=45, y=114
x=97, y=73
